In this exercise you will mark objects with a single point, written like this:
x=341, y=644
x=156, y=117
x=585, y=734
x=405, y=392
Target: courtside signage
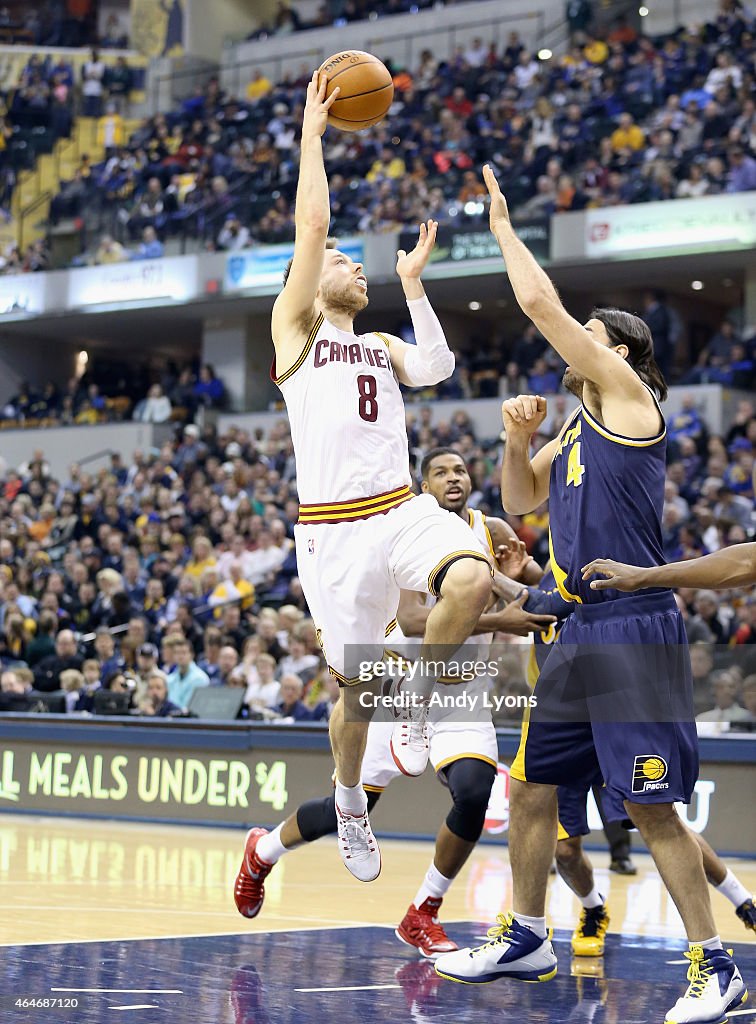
x=685, y=225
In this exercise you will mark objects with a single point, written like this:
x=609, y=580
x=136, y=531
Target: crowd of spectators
x=619, y=118
x=60, y=23
x=176, y=570
x=179, y=394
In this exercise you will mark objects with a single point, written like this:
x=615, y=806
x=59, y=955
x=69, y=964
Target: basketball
x=654, y=768
x=366, y=89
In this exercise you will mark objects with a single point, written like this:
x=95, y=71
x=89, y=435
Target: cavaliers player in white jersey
x=463, y=747
x=362, y=536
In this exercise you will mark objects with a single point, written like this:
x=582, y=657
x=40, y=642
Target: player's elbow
x=443, y=366
x=312, y=223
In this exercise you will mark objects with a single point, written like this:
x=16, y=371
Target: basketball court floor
x=129, y=922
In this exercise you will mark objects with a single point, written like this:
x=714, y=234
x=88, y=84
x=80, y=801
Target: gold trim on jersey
x=343, y=679
x=372, y=789
x=359, y=508
x=432, y=576
x=386, y=341
x=303, y=354
x=560, y=576
x=460, y=757
x=471, y=522
x=391, y=626
x=629, y=442
x=517, y=770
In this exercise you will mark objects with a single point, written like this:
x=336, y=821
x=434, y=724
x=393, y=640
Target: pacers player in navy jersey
x=614, y=694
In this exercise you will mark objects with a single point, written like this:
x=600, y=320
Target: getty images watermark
x=448, y=696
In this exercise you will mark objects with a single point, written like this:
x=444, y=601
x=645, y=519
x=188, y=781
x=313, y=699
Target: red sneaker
x=422, y=929
x=249, y=888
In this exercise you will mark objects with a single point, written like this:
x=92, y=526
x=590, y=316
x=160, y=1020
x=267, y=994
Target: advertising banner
x=257, y=268
x=179, y=779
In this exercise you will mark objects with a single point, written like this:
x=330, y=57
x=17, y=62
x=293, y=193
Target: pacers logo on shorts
x=649, y=772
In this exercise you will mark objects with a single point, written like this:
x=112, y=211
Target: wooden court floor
x=70, y=880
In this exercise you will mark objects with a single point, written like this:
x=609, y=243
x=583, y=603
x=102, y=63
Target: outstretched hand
x=317, y=105
x=618, y=576
x=498, y=214
x=412, y=264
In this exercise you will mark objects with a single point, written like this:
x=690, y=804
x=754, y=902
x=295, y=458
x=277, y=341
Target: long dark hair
x=628, y=329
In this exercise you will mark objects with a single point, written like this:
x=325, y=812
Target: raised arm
x=731, y=567
x=524, y=482
x=429, y=361
x=603, y=366
x=294, y=309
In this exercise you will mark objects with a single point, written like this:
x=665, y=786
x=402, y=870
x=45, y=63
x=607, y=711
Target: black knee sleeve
x=317, y=818
x=470, y=781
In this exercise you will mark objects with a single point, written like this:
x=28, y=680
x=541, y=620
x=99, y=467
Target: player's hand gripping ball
x=366, y=90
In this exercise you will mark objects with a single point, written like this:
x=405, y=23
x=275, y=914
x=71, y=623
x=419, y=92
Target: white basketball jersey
x=477, y=647
x=347, y=417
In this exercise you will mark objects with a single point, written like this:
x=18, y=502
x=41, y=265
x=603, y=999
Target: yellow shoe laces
x=499, y=933
x=698, y=972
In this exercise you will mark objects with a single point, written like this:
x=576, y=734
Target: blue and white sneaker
x=549, y=602
x=715, y=988
x=513, y=951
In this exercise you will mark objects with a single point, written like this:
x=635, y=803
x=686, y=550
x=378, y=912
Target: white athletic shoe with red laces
x=422, y=929
x=358, y=846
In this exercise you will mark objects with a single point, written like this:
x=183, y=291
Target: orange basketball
x=366, y=89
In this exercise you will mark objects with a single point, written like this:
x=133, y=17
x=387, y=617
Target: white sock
x=270, y=848
x=351, y=799
x=536, y=924
x=434, y=884
x=592, y=900
x=733, y=889
x=713, y=943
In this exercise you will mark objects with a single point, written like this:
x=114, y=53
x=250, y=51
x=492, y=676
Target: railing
x=28, y=211
x=494, y=30
x=179, y=83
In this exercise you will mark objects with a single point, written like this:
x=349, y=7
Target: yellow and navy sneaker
x=747, y=913
x=588, y=937
x=715, y=987
x=513, y=951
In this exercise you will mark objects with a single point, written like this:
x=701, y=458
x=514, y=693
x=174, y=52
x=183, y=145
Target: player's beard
x=344, y=300
x=573, y=383
x=455, y=504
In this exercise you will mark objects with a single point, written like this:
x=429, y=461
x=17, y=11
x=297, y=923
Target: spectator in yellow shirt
x=202, y=558
x=388, y=166
x=596, y=51
x=259, y=86
x=628, y=135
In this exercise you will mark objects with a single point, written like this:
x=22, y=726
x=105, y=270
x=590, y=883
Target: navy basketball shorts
x=615, y=702
x=573, y=812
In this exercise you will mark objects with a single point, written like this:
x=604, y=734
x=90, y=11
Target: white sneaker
x=715, y=988
x=410, y=744
x=358, y=846
x=513, y=951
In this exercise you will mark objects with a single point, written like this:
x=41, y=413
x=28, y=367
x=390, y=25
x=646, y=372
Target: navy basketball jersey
x=606, y=496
